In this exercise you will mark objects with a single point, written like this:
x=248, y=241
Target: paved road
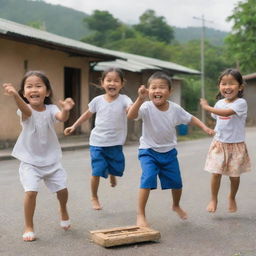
x=219, y=234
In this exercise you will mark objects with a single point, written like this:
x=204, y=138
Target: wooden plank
x=124, y=235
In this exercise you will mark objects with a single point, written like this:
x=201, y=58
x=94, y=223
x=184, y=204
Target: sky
x=178, y=13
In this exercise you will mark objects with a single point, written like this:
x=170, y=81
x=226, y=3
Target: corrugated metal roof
x=129, y=65
x=146, y=63
x=134, y=63
x=16, y=30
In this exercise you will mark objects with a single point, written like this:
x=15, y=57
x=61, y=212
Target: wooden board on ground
x=124, y=235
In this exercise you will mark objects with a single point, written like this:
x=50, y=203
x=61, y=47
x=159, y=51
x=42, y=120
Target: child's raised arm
x=134, y=108
x=84, y=117
x=195, y=121
x=66, y=106
x=9, y=90
x=220, y=112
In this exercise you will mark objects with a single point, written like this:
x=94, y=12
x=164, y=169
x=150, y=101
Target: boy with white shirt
x=157, y=153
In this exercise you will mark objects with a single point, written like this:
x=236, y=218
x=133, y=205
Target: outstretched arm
x=84, y=117
x=66, y=106
x=134, y=108
x=9, y=90
x=220, y=112
x=195, y=121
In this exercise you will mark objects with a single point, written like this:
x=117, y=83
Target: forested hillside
x=69, y=22
x=54, y=18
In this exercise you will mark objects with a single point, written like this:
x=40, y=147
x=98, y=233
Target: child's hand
x=69, y=130
x=204, y=103
x=209, y=131
x=143, y=92
x=9, y=89
x=67, y=104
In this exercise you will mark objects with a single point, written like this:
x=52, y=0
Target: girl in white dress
x=37, y=147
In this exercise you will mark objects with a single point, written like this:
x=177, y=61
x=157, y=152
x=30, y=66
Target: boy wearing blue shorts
x=157, y=153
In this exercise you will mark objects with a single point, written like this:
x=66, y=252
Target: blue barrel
x=182, y=129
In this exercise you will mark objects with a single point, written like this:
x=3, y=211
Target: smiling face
x=112, y=84
x=35, y=92
x=229, y=88
x=159, y=92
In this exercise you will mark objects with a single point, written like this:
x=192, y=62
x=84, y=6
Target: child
x=157, y=153
x=109, y=133
x=37, y=147
x=228, y=153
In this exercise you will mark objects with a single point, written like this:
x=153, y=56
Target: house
x=71, y=66
x=65, y=61
x=250, y=96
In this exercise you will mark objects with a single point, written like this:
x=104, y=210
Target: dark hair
x=237, y=76
x=43, y=77
x=117, y=70
x=160, y=75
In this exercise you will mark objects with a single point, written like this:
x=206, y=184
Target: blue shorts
x=165, y=165
x=107, y=160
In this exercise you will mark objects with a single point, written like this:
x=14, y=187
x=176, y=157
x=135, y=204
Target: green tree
x=155, y=27
x=102, y=21
x=241, y=42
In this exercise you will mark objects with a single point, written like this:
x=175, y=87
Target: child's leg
x=234, y=185
x=95, y=181
x=112, y=179
x=215, y=185
x=29, y=210
x=62, y=196
x=141, y=214
x=176, y=195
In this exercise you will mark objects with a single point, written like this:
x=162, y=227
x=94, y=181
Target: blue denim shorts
x=107, y=160
x=164, y=165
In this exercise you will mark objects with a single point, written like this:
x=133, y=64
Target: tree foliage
x=241, y=42
x=155, y=27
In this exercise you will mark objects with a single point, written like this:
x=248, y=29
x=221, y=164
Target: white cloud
x=178, y=13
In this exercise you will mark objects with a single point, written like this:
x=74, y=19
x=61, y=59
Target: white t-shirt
x=111, y=121
x=159, y=127
x=38, y=143
x=231, y=129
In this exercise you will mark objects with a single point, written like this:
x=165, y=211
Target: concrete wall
x=250, y=96
x=15, y=59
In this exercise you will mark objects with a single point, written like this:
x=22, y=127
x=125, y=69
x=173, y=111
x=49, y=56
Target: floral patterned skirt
x=229, y=159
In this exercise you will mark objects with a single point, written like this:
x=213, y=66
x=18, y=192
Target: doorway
x=72, y=85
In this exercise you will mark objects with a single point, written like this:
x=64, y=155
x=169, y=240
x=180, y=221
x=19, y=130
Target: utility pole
x=202, y=62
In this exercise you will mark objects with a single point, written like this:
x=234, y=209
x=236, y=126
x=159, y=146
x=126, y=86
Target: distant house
x=73, y=67
x=250, y=96
x=65, y=61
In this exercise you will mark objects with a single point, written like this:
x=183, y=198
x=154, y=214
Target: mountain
x=54, y=18
x=69, y=22
x=183, y=35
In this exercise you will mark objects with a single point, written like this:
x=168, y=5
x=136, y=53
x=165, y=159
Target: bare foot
x=182, y=214
x=141, y=221
x=96, y=204
x=232, y=207
x=112, y=180
x=212, y=206
x=29, y=236
x=65, y=224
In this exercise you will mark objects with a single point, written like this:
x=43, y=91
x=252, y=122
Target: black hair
x=160, y=75
x=237, y=76
x=117, y=70
x=43, y=77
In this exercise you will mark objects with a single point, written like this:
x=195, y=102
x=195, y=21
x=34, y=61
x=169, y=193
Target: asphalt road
x=204, y=234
